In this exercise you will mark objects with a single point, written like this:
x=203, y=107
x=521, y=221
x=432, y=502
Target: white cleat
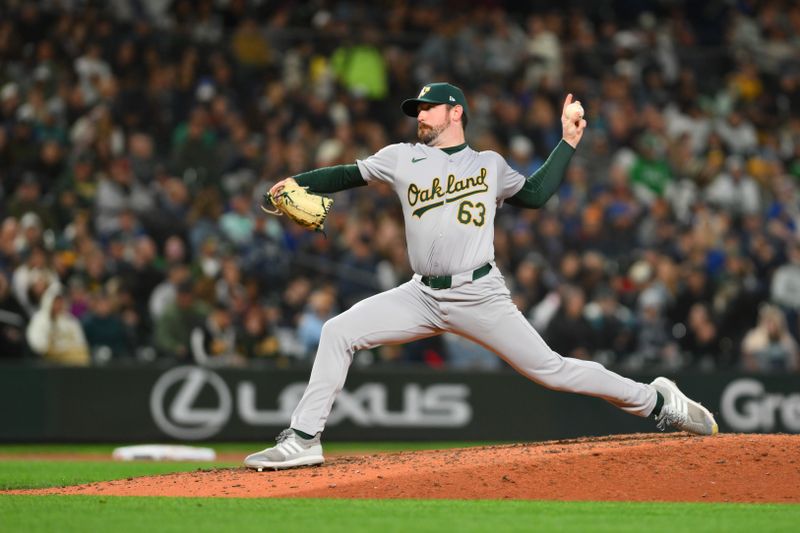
x=681, y=412
x=290, y=451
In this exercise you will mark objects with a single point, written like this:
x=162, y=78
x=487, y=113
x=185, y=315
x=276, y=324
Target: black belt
x=445, y=282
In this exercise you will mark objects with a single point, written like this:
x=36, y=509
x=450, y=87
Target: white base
x=163, y=452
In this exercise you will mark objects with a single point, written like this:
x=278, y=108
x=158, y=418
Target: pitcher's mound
x=647, y=467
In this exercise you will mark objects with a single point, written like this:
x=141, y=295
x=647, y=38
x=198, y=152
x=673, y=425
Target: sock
x=657, y=408
x=309, y=437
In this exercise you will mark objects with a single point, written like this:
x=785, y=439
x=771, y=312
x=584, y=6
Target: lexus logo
x=175, y=409
x=181, y=419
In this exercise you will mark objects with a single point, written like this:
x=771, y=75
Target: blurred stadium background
x=137, y=137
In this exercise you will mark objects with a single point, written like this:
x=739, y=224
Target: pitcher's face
x=432, y=120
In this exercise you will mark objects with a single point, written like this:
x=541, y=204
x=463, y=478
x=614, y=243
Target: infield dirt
x=643, y=467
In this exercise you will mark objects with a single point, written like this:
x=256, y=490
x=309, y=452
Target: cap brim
x=409, y=106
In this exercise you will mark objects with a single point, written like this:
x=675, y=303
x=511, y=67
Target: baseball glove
x=307, y=209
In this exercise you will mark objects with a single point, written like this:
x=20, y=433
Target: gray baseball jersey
x=449, y=205
x=449, y=202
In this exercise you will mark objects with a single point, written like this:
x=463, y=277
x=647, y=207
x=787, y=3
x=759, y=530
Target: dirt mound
x=647, y=467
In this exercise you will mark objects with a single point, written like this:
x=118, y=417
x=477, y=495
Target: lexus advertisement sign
x=193, y=404
x=176, y=410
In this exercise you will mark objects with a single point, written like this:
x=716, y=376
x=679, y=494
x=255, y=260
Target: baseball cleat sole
x=311, y=460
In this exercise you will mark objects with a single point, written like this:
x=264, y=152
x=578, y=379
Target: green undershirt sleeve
x=331, y=179
x=541, y=185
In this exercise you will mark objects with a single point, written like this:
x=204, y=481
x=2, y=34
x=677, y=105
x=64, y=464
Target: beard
x=429, y=134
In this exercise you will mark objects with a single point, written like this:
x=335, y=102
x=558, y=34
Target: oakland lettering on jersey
x=429, y=196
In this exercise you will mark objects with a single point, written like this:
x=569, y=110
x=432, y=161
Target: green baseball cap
x=435, y=93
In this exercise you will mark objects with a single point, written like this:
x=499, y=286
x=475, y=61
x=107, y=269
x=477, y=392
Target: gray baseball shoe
x=290, y=451
x=681, y=412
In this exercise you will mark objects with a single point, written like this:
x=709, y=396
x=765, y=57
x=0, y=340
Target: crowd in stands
x=136, y=140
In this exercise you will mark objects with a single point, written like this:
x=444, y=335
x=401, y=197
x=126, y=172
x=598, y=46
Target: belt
x=445, y=282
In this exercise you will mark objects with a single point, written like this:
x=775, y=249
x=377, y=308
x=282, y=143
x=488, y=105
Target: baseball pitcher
x=450, y=194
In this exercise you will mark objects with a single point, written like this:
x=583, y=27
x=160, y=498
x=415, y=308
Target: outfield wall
x=188, y=403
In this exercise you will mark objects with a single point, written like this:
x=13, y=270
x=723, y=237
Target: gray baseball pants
x=480, y=310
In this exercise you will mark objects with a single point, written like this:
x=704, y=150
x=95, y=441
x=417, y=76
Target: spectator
x=28, y=198
x=230, y=285
x=79, y=297
x=165, y=293
x=738, y=134
x=93, y=270
x=256, y=339
x=735, y=191
x=32, y=278
x=785, y=289
x=91, y=68
x=108, y=336
x=140, y=275
x=54, y=334
x=22, y=148
x=13, y=320
x=50, y=164
x=194, y=149
x=31, y=234
x=113, y=147
x=174, y=327
x=143, y=161
x=655, y=347
x=361, y=67
x=249, y=46
x=321, y=308
x=76, y=188
x=213, y=341
x=505, y=45
x=650, y=174
x=531, y=285
x=613, y=326
x=358, y=271
x=9, y=250
x=522, y=157
x=569, y=333
x=206, y=210
x=768, y=347
x=237, y=224
x=173, y=207
x=118, y=191
x=175, y=252
x=544, y=53
x=694, y=287
x=702, y=341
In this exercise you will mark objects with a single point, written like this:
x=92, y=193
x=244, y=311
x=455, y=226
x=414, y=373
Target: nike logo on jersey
x=417, y=159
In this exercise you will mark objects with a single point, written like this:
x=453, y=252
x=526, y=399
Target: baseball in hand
x=574, y=111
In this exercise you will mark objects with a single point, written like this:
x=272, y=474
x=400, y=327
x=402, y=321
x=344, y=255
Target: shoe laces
x=283, y=435
x=670, y=417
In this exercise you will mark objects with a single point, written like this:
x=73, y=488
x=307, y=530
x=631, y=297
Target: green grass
x=26, y=474
x=123, y=515
x=39, y=474
x=134, y=514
